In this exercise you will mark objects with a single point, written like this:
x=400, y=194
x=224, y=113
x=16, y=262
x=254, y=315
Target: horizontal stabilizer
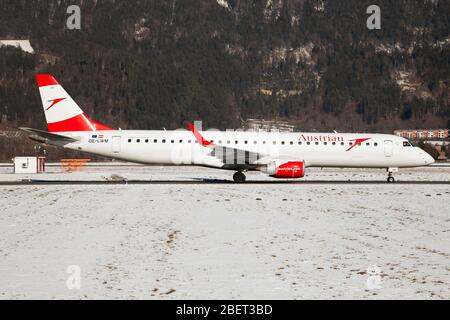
x=47, y=137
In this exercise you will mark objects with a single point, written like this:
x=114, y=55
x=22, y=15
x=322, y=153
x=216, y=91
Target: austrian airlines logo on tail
x=54, y=101
x=66, y=116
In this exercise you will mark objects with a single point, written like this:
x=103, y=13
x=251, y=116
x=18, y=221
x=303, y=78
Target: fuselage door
x=116, y=144
x=388, y=148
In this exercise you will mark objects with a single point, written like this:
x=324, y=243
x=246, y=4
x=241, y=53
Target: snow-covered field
x=188, y=241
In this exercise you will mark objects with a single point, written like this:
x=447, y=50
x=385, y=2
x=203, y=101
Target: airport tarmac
x=127, y=172
x=200, y=181
x=186, y=233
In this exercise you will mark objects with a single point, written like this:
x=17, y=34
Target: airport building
x=419, y=134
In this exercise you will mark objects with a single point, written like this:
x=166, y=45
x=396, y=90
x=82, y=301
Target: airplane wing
x=231, y=157
x=47, y=137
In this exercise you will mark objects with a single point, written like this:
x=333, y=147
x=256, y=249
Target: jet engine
x=290, y=169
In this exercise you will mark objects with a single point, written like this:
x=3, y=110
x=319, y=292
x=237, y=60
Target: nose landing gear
x=239, y=177
x=390, y=177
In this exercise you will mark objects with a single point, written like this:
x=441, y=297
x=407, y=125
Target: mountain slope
x=149, y=64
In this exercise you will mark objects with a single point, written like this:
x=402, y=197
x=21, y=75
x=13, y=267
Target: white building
x=29, y=164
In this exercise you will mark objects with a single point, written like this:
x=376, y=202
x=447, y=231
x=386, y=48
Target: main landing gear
x=390, y=177
x=239, y=177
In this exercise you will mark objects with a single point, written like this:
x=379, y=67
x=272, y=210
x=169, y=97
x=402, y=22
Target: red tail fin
x=61, y=111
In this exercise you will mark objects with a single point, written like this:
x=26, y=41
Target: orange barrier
x=70, y=165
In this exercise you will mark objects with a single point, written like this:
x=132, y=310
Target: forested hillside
x=152, y=64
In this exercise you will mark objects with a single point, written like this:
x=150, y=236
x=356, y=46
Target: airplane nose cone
x=427, y=158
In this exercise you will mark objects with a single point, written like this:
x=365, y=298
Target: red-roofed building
x=423, y=134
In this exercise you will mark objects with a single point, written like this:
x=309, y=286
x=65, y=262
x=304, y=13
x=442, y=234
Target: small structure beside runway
x=29, y=164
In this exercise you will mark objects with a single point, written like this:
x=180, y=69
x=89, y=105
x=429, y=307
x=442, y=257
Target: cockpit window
x=406, y=144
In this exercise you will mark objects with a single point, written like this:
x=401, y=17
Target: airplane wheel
x=390, y=179
x=239, y=177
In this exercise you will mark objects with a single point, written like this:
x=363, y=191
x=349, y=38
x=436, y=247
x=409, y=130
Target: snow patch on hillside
x=319, y=6
x=389, y=49
x=141, y=32
x=235, y=50
x=408, y=82
x=404, y=81
x=223, y=3
x=299, y=54
x=24, y=45
x=273, y=9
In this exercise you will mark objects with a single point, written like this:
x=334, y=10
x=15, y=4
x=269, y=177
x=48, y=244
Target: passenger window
x=246, y=142
x=163, y=141
x=308, y=143
x=375, y=144
x=264, y=142
x=342, y=143
x=138, y=140
x=255, y=142
x=282, y=142
x=300, y=143
x=317, y=143
x=129, y=140
x=220, y=141
x=291, y=143
x=146, y=140
x=189, y=141
x=181, y=141
x=274, y=142
x=334, y=143
x=367, y=144
x=155, y=141
x=325, y=143
x=236, y=142
x=406, y=144
x=212, y=141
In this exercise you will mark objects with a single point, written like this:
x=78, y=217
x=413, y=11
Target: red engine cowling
x=291, y=169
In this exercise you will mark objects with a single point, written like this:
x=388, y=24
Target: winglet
x=198, y=136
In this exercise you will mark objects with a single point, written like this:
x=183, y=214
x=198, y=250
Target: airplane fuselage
x=315, y=149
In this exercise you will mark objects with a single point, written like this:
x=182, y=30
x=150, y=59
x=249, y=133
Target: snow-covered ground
x=188, y=241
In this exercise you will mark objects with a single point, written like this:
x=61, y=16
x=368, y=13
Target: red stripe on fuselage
x=99, y=126
x=77, y=123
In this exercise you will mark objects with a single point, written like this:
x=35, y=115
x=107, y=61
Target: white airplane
x=278, y=154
